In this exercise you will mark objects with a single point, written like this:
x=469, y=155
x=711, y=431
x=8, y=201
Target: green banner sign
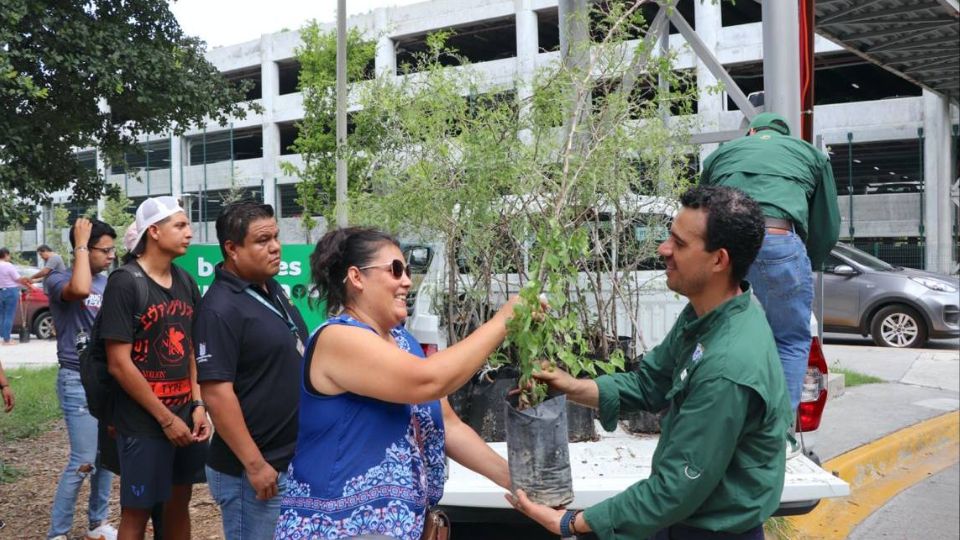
x=294, y=275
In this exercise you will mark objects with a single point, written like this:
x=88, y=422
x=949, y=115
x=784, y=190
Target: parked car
x=34, y=309
x=897, y=307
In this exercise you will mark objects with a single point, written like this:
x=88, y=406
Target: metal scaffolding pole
x=781, y=61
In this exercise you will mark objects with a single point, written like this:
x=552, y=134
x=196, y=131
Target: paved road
x=832, y=338
x=926, y=510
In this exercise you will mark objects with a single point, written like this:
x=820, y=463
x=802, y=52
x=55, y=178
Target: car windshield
x=864, y=259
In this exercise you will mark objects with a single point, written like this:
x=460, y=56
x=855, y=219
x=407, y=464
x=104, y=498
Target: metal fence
x=880, y=185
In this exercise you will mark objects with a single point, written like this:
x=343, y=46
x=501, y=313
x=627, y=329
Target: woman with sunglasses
x=375, y=425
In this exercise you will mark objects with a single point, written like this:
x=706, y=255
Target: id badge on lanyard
x=285, y=316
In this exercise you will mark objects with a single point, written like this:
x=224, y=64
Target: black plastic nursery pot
x=480, y=404
x=537, y=451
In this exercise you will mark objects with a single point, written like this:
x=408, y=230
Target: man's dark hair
x=236, y=219
x=4, y=252
x=98, y=230
x=43, y=248
x=734, y=222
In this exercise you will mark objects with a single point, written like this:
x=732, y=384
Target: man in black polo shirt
x=249, y=347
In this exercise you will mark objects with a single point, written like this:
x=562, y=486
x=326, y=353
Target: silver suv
x=898, y=307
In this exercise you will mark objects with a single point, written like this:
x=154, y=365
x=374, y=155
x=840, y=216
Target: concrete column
x=41, y=224
x=937, y=169
x=528, y=46
x=102, y=169
x=270, y=85
x=177, y=162
x=709, y=106
x=385, y=61
x=781, y=60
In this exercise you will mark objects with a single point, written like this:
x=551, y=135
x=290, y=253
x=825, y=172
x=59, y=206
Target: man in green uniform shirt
x=793, y=182
x=718, y=468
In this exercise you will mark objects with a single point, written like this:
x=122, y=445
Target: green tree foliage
x=545, y=181
x=317, y=140
x=59, y=60
x=59, y=220
x=116, y=213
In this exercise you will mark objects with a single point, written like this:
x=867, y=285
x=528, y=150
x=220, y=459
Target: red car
x=33, y=312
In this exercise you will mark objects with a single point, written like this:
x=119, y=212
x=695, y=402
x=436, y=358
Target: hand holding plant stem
x=558, y=338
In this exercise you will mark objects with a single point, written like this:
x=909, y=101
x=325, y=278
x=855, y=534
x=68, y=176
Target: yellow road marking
x=878, y=471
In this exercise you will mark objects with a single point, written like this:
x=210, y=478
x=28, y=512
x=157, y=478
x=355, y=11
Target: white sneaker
x=59, y=537
x=104, y=531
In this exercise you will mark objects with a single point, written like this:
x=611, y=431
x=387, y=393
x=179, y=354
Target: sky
x=226, y=22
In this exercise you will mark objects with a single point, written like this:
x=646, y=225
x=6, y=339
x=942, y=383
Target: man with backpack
x=75, y=298
x=161, y=423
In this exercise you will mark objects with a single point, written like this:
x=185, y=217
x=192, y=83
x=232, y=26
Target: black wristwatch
x=197, y=403
x=566, y=521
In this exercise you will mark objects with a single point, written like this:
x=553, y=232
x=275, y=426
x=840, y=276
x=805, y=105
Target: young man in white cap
x=159, y=418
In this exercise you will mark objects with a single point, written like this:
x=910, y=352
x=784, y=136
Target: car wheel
x=898, y=326
x=43, y=325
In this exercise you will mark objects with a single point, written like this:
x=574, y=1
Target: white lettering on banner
x=286, y=289
x=290, y=269
x=203, y=289
x=204, y=268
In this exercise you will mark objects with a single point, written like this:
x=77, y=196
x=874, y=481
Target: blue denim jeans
x=783, y=282
x=82, y=431
x=244, y=516
x=9, y=298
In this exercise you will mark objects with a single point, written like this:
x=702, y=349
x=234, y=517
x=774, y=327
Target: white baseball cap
x=151, y=211
x=131, y=237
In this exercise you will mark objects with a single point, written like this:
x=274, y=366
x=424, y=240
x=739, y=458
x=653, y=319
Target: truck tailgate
x=604, y=468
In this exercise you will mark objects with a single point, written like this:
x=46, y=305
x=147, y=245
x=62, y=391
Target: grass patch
x=9, y=474
x=36, y=405
x=855, y=378
x=779, y=528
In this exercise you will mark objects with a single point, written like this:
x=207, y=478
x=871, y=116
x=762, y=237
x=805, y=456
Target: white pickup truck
x=608, y=466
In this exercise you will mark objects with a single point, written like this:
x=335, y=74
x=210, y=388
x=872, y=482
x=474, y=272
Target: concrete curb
x=879, y=470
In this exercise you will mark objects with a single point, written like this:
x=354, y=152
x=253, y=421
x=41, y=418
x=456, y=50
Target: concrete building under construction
x=890, y=129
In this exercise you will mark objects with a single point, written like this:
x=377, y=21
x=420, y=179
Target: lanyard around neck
x=285, y=316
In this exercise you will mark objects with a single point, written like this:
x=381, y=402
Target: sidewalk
x=36, y=353
x=922, y=384
x=888, y=436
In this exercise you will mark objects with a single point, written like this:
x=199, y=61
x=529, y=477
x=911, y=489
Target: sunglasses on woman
x=397, y=267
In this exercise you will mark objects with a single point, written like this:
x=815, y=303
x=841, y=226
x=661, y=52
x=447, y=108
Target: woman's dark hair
x=336, y=252
x=4, y=252
x=734, y=222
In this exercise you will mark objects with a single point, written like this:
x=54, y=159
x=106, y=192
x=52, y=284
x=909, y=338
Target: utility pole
x=341, y=201
x=781, y=60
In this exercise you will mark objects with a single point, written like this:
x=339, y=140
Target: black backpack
x=97, y=382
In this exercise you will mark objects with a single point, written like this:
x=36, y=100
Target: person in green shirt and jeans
x=793, y=182
x=718, y=469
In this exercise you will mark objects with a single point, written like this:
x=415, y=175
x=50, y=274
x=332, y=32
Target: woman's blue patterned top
x=362, y=466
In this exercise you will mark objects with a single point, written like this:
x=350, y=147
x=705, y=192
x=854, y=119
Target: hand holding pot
x=548, y=517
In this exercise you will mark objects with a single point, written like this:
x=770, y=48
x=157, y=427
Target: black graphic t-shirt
x=161, y=344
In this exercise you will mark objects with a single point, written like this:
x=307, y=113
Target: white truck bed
x=609, y=466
